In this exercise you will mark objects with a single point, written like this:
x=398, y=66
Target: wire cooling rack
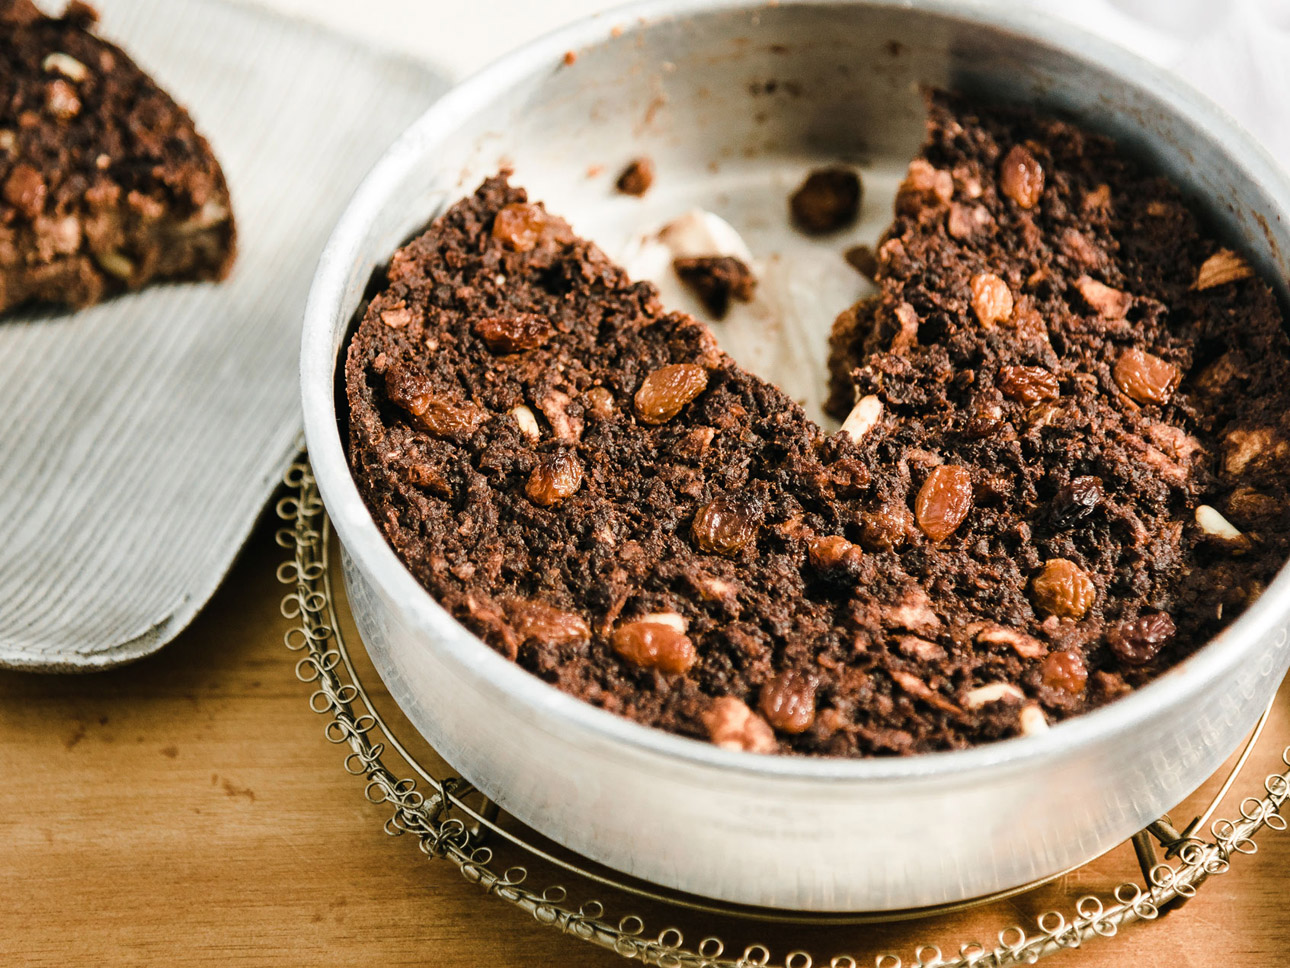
x=452, y=821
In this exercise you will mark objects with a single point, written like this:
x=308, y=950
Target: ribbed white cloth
x=140, y=439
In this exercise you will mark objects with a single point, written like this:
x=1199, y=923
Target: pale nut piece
x=673, y=620
x=665, y=392
x=654, y=645
x=864, y=416
x=943, y=501
x=526, y=420
x=599, y=402
x=733, y=726
x=65, y=64
x=1021, y=177
x=1062, y=588
x=991, y=299
x=540, y=622
x=397, y=317
x=1209, y=520
x=1107, y=302
x=991, y=692
x=1026, y=646
x=1032, y=720
x=1145, y=377
x=1222, y=267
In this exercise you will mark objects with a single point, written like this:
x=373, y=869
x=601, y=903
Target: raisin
x=788, y=702
x=514, y=332
x=521, y=226
x=431, y=411
x=557, y=476
x=726, y=525
x=1063, y=589
x=834, y=555
x=1076, y=501
x=944, y=501
x=1028, y=385
x=1145, y=377
x=1139, y=641
x=1021, y=177
x=666, y=391
x=539, y=622
x=1065, y=672
x=655, y=645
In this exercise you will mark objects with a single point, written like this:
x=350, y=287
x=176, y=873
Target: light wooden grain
x=187, y=811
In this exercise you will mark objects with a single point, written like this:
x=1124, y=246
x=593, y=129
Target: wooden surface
x=188, y=811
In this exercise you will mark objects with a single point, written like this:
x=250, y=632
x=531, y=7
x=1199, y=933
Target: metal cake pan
x=687, y=83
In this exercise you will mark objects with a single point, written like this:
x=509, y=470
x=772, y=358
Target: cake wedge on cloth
x=105, y=184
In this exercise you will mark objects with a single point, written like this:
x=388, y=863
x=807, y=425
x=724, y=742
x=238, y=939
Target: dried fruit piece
x=558, y=475
x=886, y=526
x=834, y=556
x=655, y=645
x=521, y=226
x=636, y=178
x=991, y=299
x=514, y=332
x=1145, y=377
x=1106, y=302
x=864, y=416
x=666, y=391
x=439, y=415
x=1076, y=500
x=1021, y=177
x=1063, y=589
x=733, y=726
x=992, y=692
x=944, y=501
x=1028, y=385
x=726, y=525
x=828, y=200
x=788, y=702
x=1139, y=641
x=1065, y=672
x=1222, y=267
x=540, y=622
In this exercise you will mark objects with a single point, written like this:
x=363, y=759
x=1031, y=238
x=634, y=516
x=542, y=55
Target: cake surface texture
x=105, y=184
x=1062, y=467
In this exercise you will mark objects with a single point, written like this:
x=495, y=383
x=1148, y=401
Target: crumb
x=828, y=200
x=637, y=177
x=716, y=280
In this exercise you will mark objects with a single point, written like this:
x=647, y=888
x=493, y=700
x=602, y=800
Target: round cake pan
x=734, y=101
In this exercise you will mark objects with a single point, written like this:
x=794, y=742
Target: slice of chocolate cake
x=1038, y=500
x=105, y=185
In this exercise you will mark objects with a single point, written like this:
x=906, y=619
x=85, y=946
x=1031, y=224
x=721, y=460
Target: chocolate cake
x=1062, y=467
x=105, y=185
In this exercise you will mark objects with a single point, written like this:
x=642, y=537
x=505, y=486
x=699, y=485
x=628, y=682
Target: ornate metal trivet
x=453, y=821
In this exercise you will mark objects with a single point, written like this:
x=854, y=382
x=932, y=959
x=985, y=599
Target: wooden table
x=188, y=811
